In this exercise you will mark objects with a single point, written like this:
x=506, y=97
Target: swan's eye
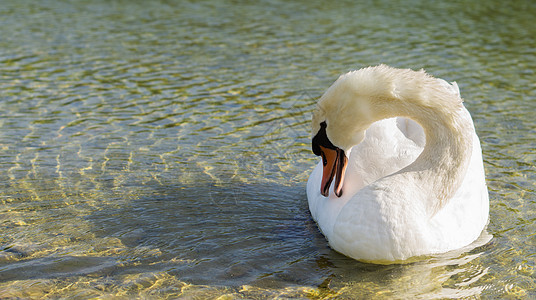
x=324, y=160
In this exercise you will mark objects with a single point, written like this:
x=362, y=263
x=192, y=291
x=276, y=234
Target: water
x=161, y=148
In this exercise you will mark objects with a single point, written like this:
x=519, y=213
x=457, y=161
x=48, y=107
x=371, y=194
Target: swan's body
x=407, y=190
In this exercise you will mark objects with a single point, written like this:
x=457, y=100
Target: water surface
x=161, y=148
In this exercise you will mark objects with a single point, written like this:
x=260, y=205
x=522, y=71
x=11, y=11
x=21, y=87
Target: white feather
x=397, y=203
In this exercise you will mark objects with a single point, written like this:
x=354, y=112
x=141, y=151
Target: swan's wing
x=412, y=131
x=389, y=146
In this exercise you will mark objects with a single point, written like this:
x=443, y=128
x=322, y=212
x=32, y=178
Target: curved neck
x=440, y=168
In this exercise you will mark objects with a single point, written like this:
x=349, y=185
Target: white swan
x=401, y=190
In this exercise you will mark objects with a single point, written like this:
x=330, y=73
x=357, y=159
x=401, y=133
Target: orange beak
x=334, y=162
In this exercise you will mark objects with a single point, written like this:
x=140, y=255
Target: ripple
x=162, y=149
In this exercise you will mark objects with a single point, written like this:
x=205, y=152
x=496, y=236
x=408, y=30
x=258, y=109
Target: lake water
x=161, y=148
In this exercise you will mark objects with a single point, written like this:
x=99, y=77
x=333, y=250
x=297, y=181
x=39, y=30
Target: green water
x=161, y=148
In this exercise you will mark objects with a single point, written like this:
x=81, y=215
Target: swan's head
x=340, y=120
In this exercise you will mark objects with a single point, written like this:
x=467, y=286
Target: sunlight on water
x=161, y=149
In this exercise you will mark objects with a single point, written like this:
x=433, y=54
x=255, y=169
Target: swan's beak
x=334, y=162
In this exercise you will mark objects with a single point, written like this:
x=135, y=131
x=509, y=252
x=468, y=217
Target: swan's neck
x=442, y=165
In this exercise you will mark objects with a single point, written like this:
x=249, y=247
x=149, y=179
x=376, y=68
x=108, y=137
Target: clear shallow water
x=161, y=148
